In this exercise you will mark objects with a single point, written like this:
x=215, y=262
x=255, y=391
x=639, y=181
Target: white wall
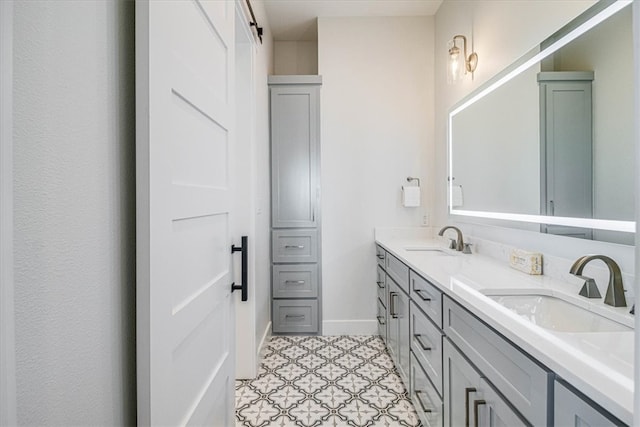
x=74, y=136
x=295, y=57
x=501, y=32
x=377, y=127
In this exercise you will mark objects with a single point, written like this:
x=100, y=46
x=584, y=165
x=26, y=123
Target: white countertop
x=600, y=365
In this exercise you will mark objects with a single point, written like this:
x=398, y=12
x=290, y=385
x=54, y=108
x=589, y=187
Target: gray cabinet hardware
x=476, y=405
x=424, y=346
x=392, y=304
x=422, y=294
x=294, y=247
x=294, y=282
x=467, y=392
x=424, y=408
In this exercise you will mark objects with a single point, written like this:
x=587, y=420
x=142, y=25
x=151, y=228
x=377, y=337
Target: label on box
x=527, y=262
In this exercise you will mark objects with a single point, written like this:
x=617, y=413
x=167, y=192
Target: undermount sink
x=556, y=314
x=429, y=250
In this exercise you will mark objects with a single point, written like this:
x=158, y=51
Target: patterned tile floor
x=330, y=381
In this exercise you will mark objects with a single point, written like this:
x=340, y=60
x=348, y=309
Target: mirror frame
x=574, y=29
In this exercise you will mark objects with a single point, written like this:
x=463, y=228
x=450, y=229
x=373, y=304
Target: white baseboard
x=349, y=327
x=265, y=338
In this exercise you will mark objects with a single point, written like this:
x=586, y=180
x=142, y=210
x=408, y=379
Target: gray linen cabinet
x=295, y=204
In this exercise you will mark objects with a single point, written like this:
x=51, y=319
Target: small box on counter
x=527, y=262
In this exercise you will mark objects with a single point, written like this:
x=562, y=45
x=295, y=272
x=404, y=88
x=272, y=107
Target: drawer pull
x=421, y=402
x=476, y=404
x=294, y=247
x=380, y=256
x=294, y=316
x=380, y=320
x=418, y=338
x=392, y=304
x=380, y=285
x=294, y=282
x=467, y=391
x=420, y=293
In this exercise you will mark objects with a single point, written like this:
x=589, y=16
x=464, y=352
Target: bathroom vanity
x=477, y=343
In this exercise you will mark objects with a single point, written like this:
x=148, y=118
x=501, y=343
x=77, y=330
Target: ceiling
x=295, y=20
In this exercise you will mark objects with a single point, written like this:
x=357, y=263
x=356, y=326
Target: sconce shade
x=458, y=63
x=455, y=63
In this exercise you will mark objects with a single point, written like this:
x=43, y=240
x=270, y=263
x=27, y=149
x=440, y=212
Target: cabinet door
x=573, y=411
x=461, y=388
x=294, y=155
x=404, y=344
x=493, y=410
x=392, y=319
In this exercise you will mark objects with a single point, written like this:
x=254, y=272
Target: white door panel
x=184, y=153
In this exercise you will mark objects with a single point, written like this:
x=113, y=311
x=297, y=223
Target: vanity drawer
x=426, y=345
x=526, y=384
x=295, y=281
x=381, y=286
x=382, y=321
x=398, y=272
x=380, y=256
x=427, y=297
x=294, y=246
x=425, y=399
x=295, y=316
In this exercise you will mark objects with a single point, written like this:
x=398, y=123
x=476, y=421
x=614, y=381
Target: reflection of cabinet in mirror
x=566, y=149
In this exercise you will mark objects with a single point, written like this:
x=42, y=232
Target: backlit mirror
x=548, y=142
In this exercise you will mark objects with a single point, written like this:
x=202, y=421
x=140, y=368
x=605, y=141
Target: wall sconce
x=459, y=63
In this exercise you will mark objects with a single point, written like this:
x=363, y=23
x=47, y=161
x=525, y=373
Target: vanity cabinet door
x=393, y=332
x=571, y=410
x=493, y=410
x=404, y=343
x=398, y=342
x=461, y=387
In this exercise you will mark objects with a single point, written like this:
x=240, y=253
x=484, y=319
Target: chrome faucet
x=615, y=290
x=458, y=245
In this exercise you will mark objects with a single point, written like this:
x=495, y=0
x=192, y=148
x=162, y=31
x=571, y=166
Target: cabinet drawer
x=398, y=272
x=382, y=321
x=426, y=345
x=425, y=399
x=295, y=281
x=380, y=256
x=381, y=286
x=295, y=316
x=427, y=296
x=295, y=245
x=513, y=373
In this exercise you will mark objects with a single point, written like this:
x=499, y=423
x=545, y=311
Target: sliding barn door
x=185, y=114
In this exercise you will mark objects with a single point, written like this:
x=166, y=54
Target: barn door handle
x=245, y=266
